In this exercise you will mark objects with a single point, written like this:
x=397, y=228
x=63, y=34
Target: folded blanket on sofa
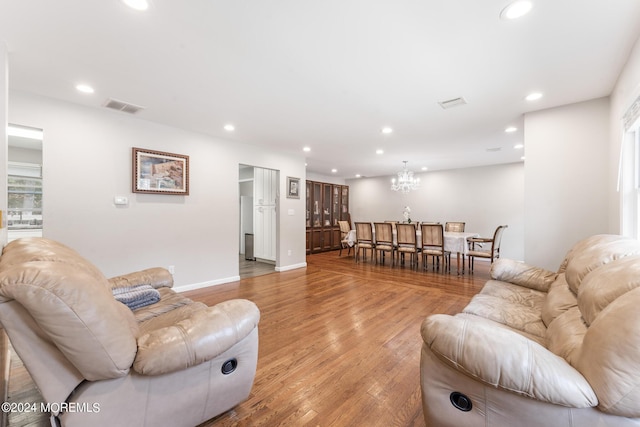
x=136, y=297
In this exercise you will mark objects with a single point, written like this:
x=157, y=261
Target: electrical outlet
x=289, y=252
x=172, y=269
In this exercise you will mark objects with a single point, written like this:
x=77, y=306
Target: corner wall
x=87, y=161
x=566, y=179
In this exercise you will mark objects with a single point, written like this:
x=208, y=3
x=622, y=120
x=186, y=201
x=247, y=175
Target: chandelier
x=405, y=182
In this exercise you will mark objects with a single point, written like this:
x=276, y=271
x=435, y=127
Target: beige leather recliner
x=541, y=348
x=97, y=363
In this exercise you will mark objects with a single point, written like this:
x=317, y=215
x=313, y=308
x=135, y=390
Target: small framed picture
x=293, y=188
x=157, y=172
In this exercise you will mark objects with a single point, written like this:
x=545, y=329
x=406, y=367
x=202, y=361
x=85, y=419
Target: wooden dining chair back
x=433, y=246
x=485, y=247
x=393, y=224
x=384, y=241
x=345, y=229
x=364, y=239
x=454, y=226
x=407, y=243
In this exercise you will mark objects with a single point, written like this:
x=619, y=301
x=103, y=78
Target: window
x=25, y=196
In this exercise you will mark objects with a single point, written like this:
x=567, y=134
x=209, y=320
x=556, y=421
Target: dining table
x=454, y=242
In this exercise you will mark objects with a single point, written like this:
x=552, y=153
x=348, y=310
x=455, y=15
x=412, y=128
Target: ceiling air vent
x=450, y=103
x=125, y=107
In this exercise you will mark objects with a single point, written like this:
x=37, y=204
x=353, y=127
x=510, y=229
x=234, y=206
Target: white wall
x=625, y=92
x=483, y=197
x=87, y=161
x=4, y=96
x=566, y=179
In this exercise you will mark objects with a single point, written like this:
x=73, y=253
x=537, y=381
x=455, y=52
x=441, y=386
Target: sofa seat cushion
x=514, y=293
x=515, y=306
x=167, y=313
x=169, y=301
x=477, y=319
x=202, y=335
x=518, y=316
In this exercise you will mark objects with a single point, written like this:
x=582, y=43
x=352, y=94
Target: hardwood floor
x=339, y=341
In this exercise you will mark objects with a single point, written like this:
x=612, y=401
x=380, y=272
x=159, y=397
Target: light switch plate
x=120, y=200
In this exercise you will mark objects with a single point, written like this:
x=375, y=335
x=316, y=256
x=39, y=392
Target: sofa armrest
x=204, y=335
x=502, y=358
x=522, y=274
x=157, y=277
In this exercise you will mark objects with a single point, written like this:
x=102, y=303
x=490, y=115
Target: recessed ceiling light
x=358, y=175
x=424, y=168
x=511, y=129
x=387, y=130
x=137, y=4
x=516, y=9
x=518, y=146
x=379, y=151
x=229, y=127
x=534, y=96
x=306, y=149
x=334, y=170
x=84, y=88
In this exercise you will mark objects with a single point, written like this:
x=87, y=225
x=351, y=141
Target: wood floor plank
x=339, y=342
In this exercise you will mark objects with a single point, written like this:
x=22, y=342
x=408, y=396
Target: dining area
x=419, y=245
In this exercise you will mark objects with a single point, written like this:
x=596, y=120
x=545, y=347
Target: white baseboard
x=291, y=267
x=195, y=286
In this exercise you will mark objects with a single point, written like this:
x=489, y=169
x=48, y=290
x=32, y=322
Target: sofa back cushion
x=600, y=334
x=72, y=303
x=609, y=358
x=593, y=252
x=559, y=299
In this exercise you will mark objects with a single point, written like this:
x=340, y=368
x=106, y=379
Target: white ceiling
x=328, y=74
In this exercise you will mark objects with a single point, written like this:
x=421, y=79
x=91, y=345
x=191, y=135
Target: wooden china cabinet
x=326, y=205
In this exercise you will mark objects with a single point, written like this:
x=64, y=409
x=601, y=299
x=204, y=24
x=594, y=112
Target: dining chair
x=407, y=243
x=364, y=239
x=344, y=236
x=384, y=241
x=491, y=253
x=454, y=226
x=433, y=245
x=393, y=224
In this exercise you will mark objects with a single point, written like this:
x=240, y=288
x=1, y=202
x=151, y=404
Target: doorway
x=258, y=189
x=24, y=182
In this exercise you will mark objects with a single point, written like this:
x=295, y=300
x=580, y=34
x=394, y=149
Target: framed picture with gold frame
x=157, y=172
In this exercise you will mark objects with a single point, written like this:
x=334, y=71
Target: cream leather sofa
x=541, y=348
x=98, y=363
